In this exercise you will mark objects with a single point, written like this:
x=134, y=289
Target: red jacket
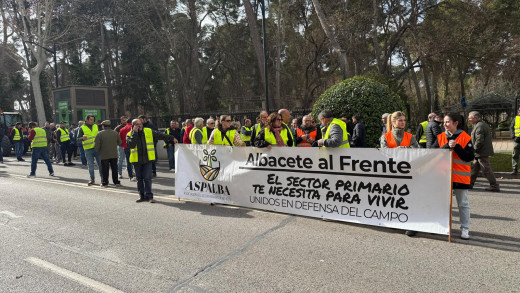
x=123, y=132
x=186, y=139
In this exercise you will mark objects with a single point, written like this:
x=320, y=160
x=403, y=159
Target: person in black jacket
x=433, y=128
x=136, y=141
x=359, y=133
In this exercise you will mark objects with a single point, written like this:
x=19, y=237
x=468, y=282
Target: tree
x=33, y=24
x=363, y=96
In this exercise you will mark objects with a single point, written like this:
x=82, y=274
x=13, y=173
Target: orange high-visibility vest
x=390, y=141
x=305, y=143
x=461, y=169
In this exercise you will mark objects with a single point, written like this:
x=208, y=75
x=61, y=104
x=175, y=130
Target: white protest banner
x=396, y=188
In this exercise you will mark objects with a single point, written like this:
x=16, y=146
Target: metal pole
x=265, y=58
x=55, y=65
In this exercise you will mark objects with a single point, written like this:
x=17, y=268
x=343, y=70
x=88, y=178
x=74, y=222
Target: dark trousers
x=66, y=147
x=129, y=166
x=105, y=165
x=143, y=172
x=170, y=150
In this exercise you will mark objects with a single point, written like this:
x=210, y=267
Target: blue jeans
x=38, y=153
x=171, y=156
x=129, y=166
x=143, y=172
x=18, y=150
x=120, y=159
x=91, y=154
x=463, y=204
x=82, y=155
x=1, y=153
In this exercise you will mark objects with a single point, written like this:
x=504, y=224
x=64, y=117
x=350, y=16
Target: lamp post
x=53, y=52
x=265, y=57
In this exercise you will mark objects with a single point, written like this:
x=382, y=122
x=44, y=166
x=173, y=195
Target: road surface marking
x=98, y=286
x=10, y=215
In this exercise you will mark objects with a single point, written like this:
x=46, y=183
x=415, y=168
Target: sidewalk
x=503, y=145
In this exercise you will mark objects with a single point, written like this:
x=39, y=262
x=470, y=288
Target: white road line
x=93, y=284
x=113, y=190
x=10, y=215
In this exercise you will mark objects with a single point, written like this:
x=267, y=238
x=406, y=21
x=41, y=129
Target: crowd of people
x=133, y=143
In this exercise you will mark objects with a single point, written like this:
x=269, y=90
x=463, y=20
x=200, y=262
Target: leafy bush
x=363, y=96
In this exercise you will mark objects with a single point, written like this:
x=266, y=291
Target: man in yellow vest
x=38, y=138
x=17, y=139
x=260, y=125
x=246, y=132
x=335, y=131
x=421, y=131
x=86, y=136
x=197, y=134
x=140, y=141
x=515, y=135
x=208, y=129
x=286, y=119
x=63, y=137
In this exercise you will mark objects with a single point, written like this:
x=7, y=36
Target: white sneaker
x=464, y=234
x=120, y=176
x=133, y=179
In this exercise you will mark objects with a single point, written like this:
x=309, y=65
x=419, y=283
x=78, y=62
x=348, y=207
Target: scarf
x=279, y=140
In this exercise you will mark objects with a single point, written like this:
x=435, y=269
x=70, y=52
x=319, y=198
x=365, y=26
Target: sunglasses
x=279, y=119
x=227, y=120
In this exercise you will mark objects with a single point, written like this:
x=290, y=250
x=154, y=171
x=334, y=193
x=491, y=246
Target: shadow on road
x=207, y=209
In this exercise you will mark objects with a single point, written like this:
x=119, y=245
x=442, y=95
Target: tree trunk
x=416, y=84
x=34, y=75
x=255, y=38
x=427, y=86
x=343, y=62
x=375, y=39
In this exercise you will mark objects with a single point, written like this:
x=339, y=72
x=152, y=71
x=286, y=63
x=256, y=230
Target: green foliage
x=363, y=96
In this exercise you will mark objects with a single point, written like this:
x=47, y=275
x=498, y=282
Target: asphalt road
x=59, y=235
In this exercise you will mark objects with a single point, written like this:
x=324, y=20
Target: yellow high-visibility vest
x=218, y=139
x=192, y=135
x=244, y=137
x=205, y=135
x=343, y=126
x=423, y=136
x=148, y=134
x=64, y=135
x=517, y=126
x=16, y=134
x=271, y=138
x=91, y=135
x=40, y=139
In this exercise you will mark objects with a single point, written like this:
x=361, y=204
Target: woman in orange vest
x=396, y=136
x=459, y=142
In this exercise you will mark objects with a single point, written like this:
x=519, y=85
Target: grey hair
x=475, y=114
x=198, y=122
x=325, y=114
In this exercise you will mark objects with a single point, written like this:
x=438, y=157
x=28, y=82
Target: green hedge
x=363, y=96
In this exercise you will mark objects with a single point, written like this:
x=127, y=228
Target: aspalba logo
x=209, y=170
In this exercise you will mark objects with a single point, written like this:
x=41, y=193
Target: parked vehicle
x=7, y=121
